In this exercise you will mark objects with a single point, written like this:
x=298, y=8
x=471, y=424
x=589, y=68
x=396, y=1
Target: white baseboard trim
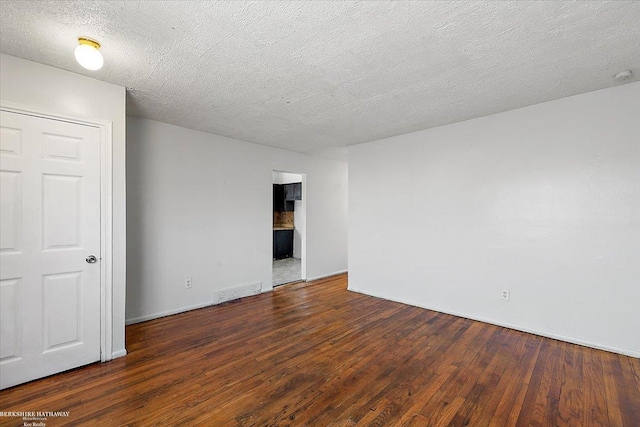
x=119, y=353
x=218, y=297
x=166, y=313
x=335, y=273
x=571, y=340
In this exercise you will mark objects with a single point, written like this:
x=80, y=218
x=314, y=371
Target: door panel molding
x=106, y=211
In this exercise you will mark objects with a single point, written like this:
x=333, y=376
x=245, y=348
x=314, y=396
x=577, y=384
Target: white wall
x=61, y=92
x=200, y=206
x=543, y=200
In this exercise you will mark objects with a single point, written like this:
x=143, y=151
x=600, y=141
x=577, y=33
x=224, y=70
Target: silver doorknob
x=91, y=259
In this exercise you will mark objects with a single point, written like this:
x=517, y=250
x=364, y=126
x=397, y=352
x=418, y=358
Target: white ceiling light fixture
x=88, y=55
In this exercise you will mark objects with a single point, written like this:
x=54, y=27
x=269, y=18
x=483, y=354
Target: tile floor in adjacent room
x=286, y=271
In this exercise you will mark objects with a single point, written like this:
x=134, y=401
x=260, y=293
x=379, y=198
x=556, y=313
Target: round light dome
x=88, y=55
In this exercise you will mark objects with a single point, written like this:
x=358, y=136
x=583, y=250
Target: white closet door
x=50, y=228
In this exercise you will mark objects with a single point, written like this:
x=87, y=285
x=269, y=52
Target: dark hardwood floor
x=314, y=354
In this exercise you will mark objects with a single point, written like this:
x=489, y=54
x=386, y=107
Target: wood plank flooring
x=314, y=354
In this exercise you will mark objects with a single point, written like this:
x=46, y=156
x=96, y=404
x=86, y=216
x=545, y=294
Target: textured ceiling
x=315, y=77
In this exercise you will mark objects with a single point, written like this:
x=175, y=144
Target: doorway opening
x=289, y=228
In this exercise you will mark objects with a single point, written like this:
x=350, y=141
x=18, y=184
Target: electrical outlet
x=505, y=294
x=187, y=283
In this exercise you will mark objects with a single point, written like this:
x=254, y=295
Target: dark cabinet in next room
x=293, y=191
x=282, y=244
x=285, y=195
x=279, y=202
x=278, y=198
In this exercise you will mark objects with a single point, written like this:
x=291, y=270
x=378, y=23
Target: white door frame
x=106, y=213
